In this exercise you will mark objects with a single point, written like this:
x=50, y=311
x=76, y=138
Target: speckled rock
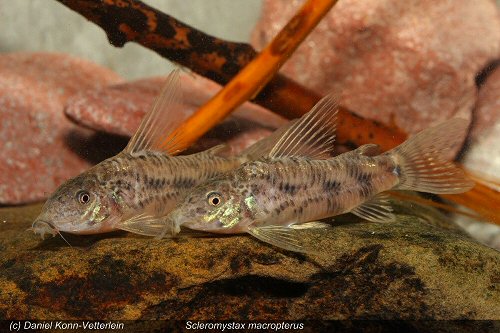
x=411, y=63
x=404, y=270
x=118, y=109
x=38, y=144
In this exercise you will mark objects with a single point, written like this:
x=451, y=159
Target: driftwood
x=219, y=60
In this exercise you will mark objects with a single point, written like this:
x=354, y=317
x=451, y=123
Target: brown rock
x=404, y=270
x=37, y=142
x=408, y=62
x=118, y=109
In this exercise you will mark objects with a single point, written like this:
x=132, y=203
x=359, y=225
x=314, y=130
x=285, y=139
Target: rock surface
x=118, y=109
x=411, y=63
x=405, y=270
x=38, y=144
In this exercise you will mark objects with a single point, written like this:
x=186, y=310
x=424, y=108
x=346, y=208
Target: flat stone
x=39, y=146
x=404, y=270
x=407, y=63
x=118, y=109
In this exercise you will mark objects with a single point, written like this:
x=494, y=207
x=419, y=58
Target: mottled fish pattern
x=298, y=182
x=139, y=184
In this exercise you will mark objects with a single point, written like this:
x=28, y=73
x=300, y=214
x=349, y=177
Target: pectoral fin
x=142, y=224
x=377, y=209
x=288, y=238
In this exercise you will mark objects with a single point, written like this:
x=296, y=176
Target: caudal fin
x=423, y=163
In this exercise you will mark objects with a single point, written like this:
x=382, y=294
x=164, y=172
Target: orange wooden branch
x=482, y=199
x=254, y=76
x=132, y=20
x=259, y=71
x=219, y=60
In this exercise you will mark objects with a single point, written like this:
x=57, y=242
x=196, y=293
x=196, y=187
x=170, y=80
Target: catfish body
x=142, y=182
x=298, y=182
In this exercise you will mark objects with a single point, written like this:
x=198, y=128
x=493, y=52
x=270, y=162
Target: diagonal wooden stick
x=219, y=60
x=255, y=75
x=132, y=20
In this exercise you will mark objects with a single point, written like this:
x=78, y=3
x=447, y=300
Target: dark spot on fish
x=365, y=190
x=397, y=170
x=332, y=205
x=370, y=135
x=142, y=157
x=331, y=186
x=288, y=188
x=298, y=211
x=364, y=178
x=183, y=182
x=284, y=205
x=255, y=189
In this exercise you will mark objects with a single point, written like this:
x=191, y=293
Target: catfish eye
x=214, y=198
x=83, y=197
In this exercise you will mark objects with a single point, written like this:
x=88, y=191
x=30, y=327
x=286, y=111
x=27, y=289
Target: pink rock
x=411, y=62
x=118, y=109
x=483, y=155
x=36, y=146
x=487, y=110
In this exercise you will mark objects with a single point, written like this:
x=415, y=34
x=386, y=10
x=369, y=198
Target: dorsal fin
x=161, y=120
x=313, y=134
x=264, y=146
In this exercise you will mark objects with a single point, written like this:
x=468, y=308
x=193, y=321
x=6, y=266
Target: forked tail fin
x=422, y=161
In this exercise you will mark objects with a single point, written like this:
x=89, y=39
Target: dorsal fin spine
x=312, y=135
x=160, y=121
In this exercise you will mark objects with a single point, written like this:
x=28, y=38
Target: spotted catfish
x=297, y=183
x=142, y=182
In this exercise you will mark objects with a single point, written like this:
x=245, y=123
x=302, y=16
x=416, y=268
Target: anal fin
x=376, y=209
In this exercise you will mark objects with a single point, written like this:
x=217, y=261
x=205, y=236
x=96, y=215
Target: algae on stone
x=402, y=270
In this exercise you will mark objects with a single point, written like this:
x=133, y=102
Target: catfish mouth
x=42, y=227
